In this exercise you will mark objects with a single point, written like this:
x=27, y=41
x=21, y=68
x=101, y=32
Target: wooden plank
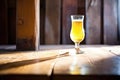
x=110, y=21
x=93, y=21
x=27, y=31
x=115, y=49
x=94, y=61
x=20, y=65
x=29, y=62
x=69, y=7
x=52, y=21
x=3, y=22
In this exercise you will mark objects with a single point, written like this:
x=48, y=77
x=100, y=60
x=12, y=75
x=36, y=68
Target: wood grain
x=27, y=31
x=52, y=21
x=93, y=22
x=26, y=62
x=94, y=61
x=110, y=22
x=97, y=62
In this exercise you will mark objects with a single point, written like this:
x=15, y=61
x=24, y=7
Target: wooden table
x=97, y=62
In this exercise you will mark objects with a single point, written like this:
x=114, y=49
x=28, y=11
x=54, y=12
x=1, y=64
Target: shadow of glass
x=23, y=63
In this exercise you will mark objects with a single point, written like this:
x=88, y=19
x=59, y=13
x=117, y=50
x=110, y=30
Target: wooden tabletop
x=96, y=62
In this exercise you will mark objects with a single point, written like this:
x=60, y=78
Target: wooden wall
x=7, y=22
x=55, y=20
x=102, y=21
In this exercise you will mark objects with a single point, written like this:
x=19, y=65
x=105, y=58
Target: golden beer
x=77, y=31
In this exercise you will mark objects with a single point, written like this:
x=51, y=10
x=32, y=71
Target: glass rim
x=78, y=15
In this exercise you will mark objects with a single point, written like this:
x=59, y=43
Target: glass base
x=78, y=51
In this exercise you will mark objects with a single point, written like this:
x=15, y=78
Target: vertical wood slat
x=52, y=21
x=81, y=7
x=27, y=25
x=11, y=21
x=42, y=21
x=69, y=7
x=97, y=31
x=110, y=21
x=3, y=22
x=93, y=21
x=118, y=8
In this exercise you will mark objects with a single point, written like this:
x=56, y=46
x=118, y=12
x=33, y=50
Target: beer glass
x=77, y=33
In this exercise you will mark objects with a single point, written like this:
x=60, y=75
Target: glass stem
x=77, y=47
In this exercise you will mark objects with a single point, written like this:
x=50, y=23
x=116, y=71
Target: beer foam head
x=77, y=17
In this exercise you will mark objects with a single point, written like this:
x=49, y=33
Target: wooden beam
x=27, y=31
